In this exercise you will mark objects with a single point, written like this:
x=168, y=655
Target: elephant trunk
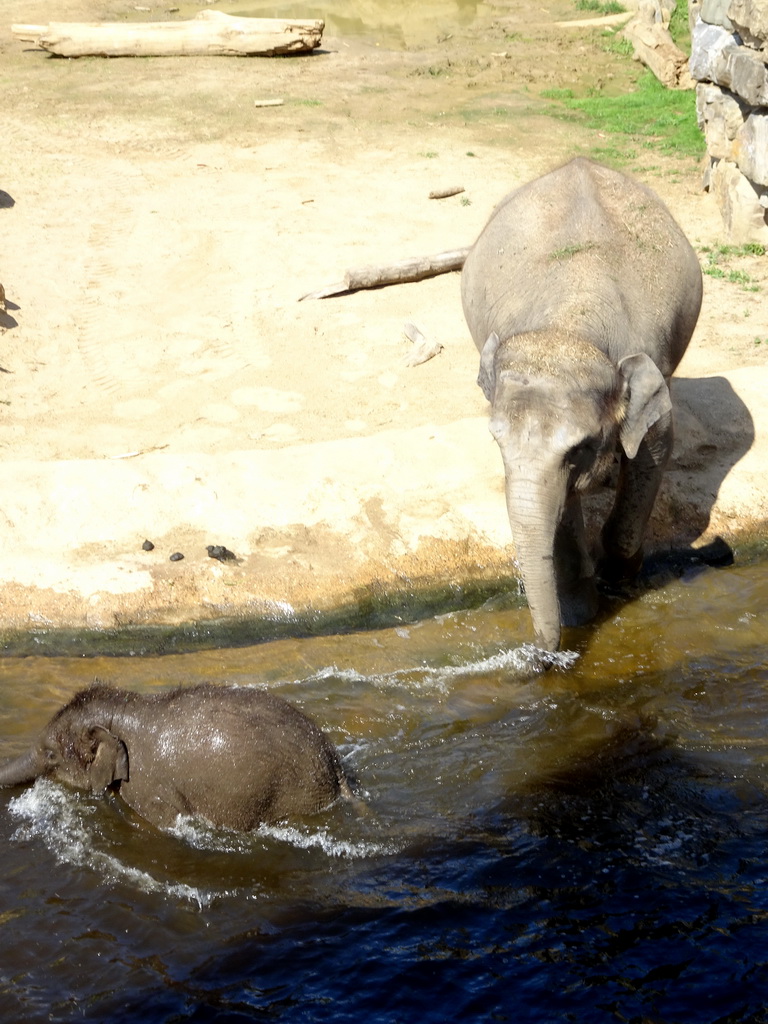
x=16, y=771
x=534, y=515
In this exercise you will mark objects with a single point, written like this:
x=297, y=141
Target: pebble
x=219, y=551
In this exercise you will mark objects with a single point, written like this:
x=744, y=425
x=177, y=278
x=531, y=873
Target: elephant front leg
x=639, y=481
x=574, y=568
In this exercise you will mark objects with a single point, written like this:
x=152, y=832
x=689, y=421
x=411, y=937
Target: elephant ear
x=486, y=378
x=110, y=758
x=649, y=400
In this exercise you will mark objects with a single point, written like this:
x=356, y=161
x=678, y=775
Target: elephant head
x=77, y=748
x=560, y=407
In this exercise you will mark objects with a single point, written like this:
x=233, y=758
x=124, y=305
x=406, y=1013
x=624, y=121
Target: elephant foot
x=616, y=569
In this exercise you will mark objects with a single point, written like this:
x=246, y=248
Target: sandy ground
x=161, y=381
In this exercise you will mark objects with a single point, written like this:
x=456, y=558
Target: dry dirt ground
x=161, y=381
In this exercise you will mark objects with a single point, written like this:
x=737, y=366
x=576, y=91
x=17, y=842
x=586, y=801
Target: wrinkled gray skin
x=237, y=756
x=581, y=294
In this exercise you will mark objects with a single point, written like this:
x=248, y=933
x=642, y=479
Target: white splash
x=203, y=836
x=323, y=840
x=59, y=817
x=524, y=661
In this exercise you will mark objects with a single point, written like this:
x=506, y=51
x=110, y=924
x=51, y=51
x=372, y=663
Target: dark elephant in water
x=237, y=756
x=581, y=294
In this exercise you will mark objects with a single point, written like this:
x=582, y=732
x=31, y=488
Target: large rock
x=715, y=12
x=750, y=19
x=734, y=131
x=753, y=148
x=742, y=204
x=718, y=57
x=721, y=117
x=728, y=43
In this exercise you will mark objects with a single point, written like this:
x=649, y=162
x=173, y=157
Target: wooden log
x=210, y=33
x=415, y=269
x=446, y=193
x=654, y=46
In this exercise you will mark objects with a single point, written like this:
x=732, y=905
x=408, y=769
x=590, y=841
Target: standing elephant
x=581, y=294
x=235, y=755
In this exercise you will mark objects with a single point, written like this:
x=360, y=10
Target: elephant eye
x=583, y=454
x=50, y=756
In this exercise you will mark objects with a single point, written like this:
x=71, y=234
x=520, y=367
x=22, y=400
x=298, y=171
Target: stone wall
x=729, y=49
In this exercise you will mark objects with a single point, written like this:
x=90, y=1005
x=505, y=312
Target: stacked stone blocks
x=729, y=49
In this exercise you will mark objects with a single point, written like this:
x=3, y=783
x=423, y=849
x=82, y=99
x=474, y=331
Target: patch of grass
x=718, y=253
x=614, y=156
x=600, y=6
x=678, y=26
x=718, y=260
x=762, y=341
x=739, y=277
x=614, y=43
x=558, y=94
x=651, y=116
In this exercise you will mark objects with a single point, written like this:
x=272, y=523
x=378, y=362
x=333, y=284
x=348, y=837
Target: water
x=584, y=844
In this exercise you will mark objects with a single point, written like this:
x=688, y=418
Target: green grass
x=718, y=259
x=651, y=117
x=678, y=26
x=615, y=43
x=718, y=253
x=600, y=6
x=558, y=94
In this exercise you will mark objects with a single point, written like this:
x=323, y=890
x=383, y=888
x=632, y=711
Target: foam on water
x=522, y=662
x=203, y=836
x=65, y=823
x=68, y=824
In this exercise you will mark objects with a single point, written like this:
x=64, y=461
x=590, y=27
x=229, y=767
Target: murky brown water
x=502, y=803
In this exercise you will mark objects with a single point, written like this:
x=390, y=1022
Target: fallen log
x=446, y=193
x=209, y=33
x=654, y=46
x=415, y=269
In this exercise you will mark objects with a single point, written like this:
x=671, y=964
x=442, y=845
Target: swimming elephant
x=234, y=755
x=581, y=294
